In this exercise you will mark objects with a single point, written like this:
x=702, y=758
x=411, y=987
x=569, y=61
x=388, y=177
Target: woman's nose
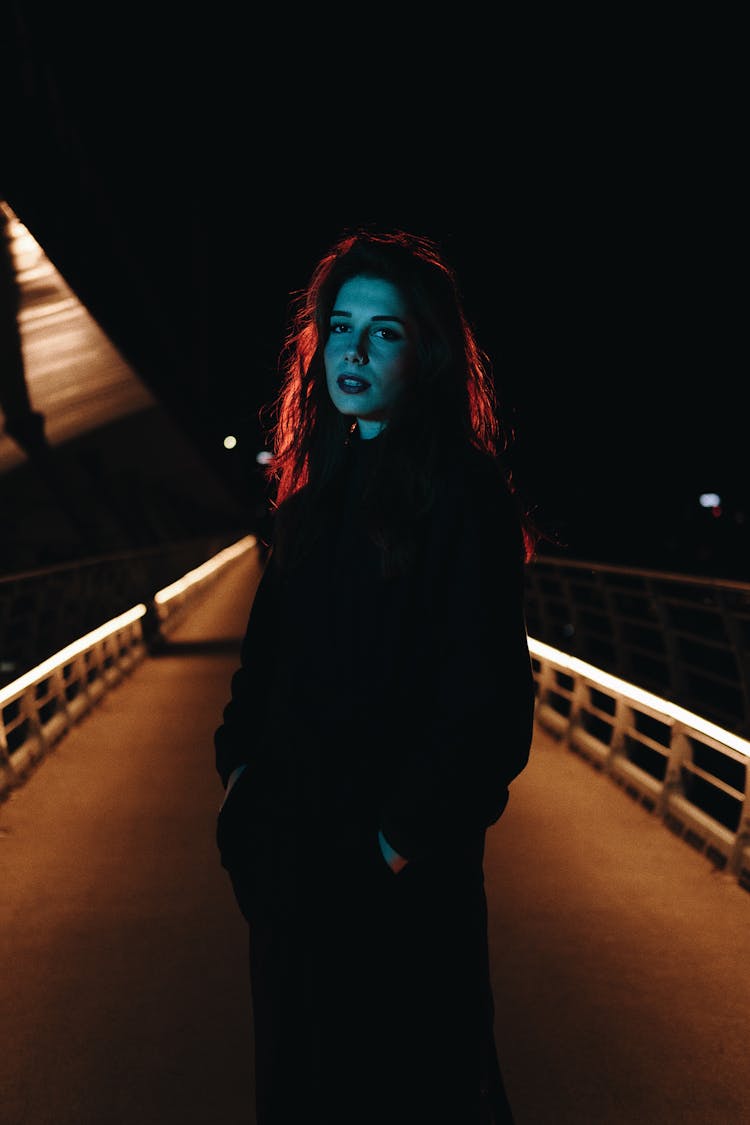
x=355, y=353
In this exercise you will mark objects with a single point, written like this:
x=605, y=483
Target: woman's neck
x=369, y=429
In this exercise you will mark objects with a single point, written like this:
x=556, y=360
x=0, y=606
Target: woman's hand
x=230, y=782
x=395, y=861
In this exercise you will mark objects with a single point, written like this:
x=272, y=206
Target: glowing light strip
x=638, y=695
x=205, y=569
x=71, y=650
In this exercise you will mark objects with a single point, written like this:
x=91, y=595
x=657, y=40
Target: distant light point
x=230, y=441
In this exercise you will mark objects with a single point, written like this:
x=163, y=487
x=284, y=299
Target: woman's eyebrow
x=398, y=320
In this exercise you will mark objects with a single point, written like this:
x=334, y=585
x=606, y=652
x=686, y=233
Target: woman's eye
x=337, y=329
x=387, y=333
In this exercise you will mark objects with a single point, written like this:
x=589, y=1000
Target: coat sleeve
x=473, y=694
x=244, y=716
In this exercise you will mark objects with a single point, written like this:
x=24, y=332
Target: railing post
x=679, y=751
x=735, y=861
x=6, y=770
x=622, y=718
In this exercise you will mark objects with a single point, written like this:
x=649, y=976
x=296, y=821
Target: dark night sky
x=612, y=318
x=589, y=203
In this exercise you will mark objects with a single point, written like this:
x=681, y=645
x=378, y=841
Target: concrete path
x=621, y=960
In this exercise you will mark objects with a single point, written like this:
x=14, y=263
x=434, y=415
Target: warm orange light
x=10, y=691
x=204, y=569
x=638, y=695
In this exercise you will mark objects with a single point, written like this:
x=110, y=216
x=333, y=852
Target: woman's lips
x=352, y=384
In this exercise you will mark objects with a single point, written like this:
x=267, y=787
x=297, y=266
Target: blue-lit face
x=370, y=351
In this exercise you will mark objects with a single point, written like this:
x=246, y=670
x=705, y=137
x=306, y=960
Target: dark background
x=185, y=177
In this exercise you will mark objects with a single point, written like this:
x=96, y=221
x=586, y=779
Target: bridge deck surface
x=620, y=958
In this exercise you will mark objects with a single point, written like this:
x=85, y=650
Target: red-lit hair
x=449, y=402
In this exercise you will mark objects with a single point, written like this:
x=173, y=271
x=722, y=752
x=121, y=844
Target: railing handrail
x=41, y=705
x=666, y=575
x=46, y=608
x=693, y=775
x=686, y=638
x=157, y=550
x=678, y=764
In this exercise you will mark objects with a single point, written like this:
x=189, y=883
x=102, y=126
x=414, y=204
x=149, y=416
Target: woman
x=383, y=704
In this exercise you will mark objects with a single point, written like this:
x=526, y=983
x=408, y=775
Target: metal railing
x=645, y=674
x=662, y=709
x=690, y=772
x=38, y=708
x=43, y=610
x=41, y=705
x=686, y=639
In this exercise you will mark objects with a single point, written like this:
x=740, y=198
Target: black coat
x=365, y=703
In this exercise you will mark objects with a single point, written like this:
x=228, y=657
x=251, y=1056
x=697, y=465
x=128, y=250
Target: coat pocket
x=233, y=820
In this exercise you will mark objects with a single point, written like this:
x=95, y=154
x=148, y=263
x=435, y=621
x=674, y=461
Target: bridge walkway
x=621, y=958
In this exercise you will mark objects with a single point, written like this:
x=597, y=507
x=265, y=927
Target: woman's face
x=370, y=351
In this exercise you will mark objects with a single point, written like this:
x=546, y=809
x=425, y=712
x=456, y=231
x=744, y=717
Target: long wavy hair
x=448, y=402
